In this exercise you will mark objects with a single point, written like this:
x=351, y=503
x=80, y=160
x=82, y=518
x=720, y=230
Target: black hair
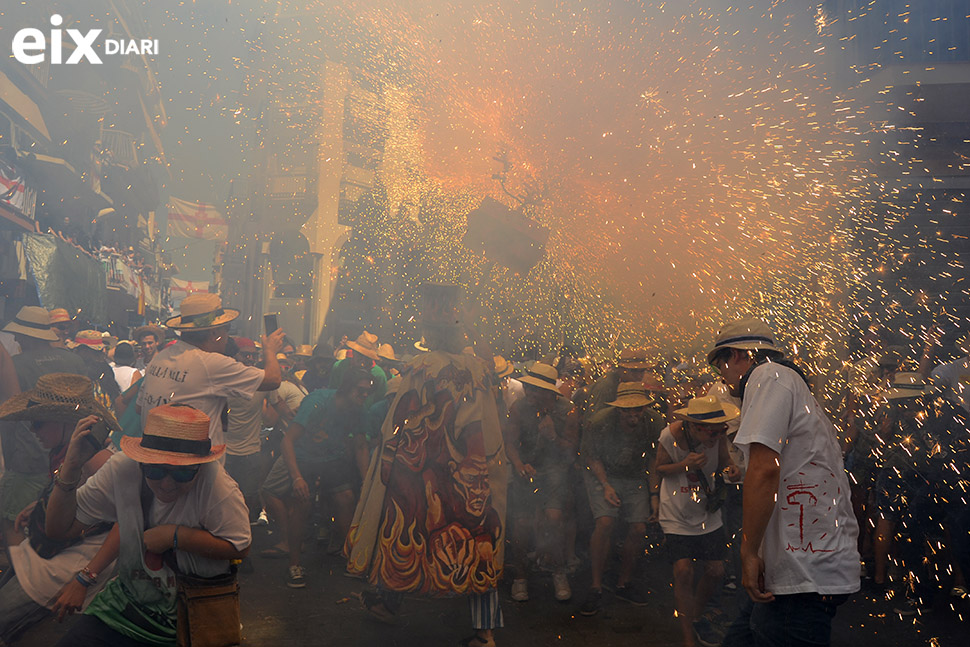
x=124, y=354
x=353, y=376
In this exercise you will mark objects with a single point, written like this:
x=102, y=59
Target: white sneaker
x=520, y=590
x=561, y=585
x=263, y=519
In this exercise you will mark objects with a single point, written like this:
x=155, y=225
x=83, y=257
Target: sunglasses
x=181, y=474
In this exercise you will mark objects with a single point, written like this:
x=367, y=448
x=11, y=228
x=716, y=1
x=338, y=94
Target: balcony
x=119, y=148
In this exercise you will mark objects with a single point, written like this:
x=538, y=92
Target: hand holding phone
x=271, y=322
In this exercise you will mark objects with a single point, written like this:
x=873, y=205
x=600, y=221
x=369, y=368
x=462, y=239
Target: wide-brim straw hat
x=58, y=397
x=636, y=359
x=201, y=311
x=174, y=434
x=708, y=410
x=746, y=334
x=907, y=385
x=150, y=329
x=631, y=395
x=32, y=321
x=542, y=376
x=89, y=339
x=366, y=345
x=303, y=350
x=386, y=351
x=503, y=367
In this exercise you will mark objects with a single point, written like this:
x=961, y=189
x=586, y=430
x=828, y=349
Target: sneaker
x=706, y=634
x=560, y=583
x=297, y=577
x=520, y=590
x=958, y=591
x=593, y=603
x=572, y=565
x=263, y=520
x=629, y=594
x=908, y=606
x=731, y=584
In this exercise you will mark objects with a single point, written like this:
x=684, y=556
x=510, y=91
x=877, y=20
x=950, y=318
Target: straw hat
x=503, y=367
x=150, y=329
x=366, y=345
x=542, y=376
x=708, y=410
x=58, y=397
x=422, y=346
x=175, y=434
x=32, y=321
x=635, y=358
x=386, y=351
x=201, y=311
x=59, y=315
x=631, y=395
x=907, y=385
x=89, y=338
x=304, y=350
x=746, y=334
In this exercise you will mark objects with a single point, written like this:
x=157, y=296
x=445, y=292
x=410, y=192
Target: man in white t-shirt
x=194, y=370
x=798, y=552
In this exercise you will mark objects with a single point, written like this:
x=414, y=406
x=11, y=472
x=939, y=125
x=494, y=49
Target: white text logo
x=30, y=45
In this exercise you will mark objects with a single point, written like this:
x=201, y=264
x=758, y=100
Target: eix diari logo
x=30, y=45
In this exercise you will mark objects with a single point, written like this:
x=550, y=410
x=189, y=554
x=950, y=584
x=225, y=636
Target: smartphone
x=98, y=436
x=271, y=321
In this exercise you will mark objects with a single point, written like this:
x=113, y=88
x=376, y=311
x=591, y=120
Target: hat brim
x=731, y=412
x=74, y=344
x=366, y=352
x=22, y=407
x=44, y=334
x=421, y=347
x=631, y=402
x=900, y=394
x=175, y=323
x=534, y=381
x=132, y=448
x=505, y=372
x=745, y=345
x=636, y=365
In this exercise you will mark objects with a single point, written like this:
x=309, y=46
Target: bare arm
x=9, y=385
x=300, y=487
x=512, y=431
x=272, y=376
x=191, y=540
x=759, y=497
x=71, y=596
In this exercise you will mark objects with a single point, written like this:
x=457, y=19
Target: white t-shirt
x=810, y=542
x=245, y=424
x=289, y=393
x=955, y=380
x=42, y=579
x=512, y=392
x=214, y=503
x=683, y=504
x=123, y=376
x=184, y=374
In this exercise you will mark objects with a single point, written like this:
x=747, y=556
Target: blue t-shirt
x=326, y=427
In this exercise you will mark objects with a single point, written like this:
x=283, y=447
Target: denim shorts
x=547, y=490
x=634, y=496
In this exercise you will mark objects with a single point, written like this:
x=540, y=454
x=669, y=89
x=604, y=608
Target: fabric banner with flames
x=431, y=517
x=196, y=220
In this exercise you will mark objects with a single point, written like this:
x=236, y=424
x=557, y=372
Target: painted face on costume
x=471, y=482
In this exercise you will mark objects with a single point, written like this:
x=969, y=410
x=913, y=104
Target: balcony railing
x=120, y=147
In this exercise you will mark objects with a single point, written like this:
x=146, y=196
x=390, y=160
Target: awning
x=10, y=219
x=23, y=106
x=60, y=186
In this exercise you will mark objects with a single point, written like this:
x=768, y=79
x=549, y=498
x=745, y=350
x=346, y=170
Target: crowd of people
x=135, y=471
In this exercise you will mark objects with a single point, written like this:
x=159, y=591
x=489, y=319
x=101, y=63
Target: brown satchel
x=208, y=610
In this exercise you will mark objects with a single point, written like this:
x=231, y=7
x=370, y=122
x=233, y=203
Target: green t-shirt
x=377, y=374
x=326, y=427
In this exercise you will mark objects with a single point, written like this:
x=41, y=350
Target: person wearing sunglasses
x=691, y=455
x=177, y=509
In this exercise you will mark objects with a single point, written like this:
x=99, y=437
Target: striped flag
x=195, y=220
x=13, y=191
